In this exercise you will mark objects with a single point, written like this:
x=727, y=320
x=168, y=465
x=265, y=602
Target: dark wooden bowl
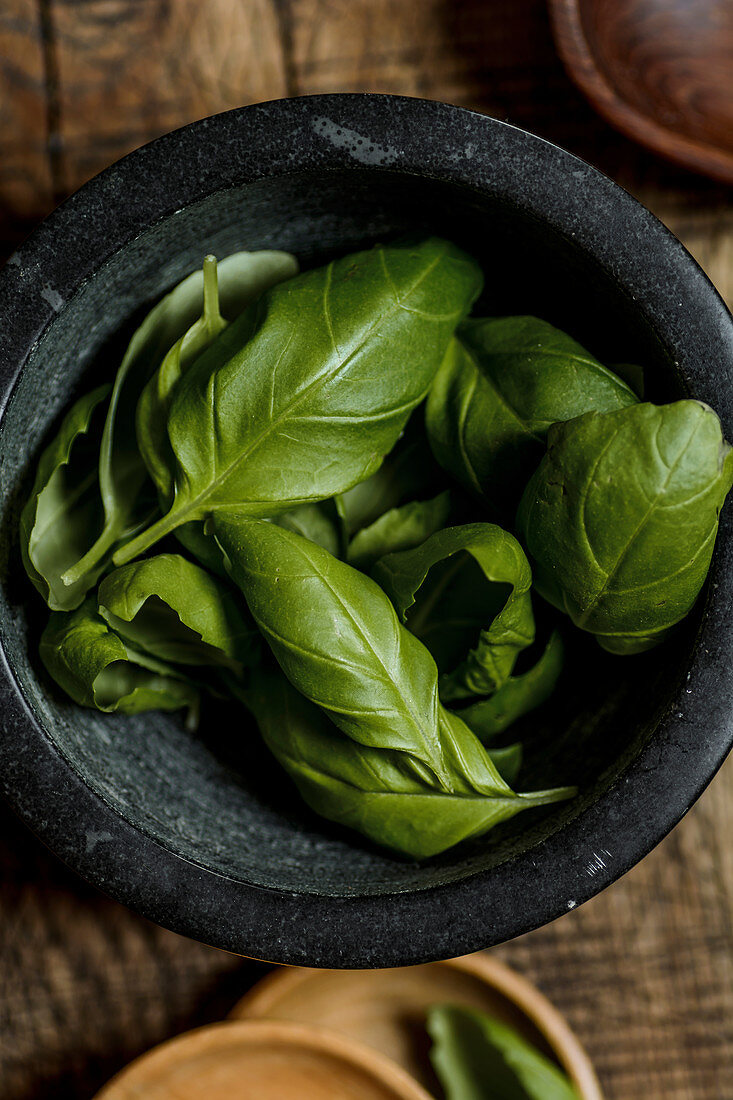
x=660, y=72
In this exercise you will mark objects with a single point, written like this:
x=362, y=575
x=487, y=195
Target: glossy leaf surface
x=128, y=498
x=621, y=518
x=518, y=695
x=503, y=382
x=337, y=638
x=400, y=528
x=307, y=391
x=375, y=791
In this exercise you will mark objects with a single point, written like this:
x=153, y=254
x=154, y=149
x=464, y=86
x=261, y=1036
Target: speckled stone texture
x=202, y=833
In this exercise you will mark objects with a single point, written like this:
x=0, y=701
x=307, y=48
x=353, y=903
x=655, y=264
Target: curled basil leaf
x=621, y=517
x=503, y=382
x=128, y=499
x=64, y=505
x=518, y=695
x=465, y=593
x=98, y=669
x=377, y=791
x=337, y=638
x=398, y=529
x=478, y=1058
x=177, y=612
x=307, y=391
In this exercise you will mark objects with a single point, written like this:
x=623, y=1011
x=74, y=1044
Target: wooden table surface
x=645, y=971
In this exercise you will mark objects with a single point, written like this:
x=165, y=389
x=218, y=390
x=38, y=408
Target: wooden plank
x=129, y=71
x=644, y=972
x=26, y=184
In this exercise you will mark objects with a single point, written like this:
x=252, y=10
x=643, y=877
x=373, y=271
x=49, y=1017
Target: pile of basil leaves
x=252, y=474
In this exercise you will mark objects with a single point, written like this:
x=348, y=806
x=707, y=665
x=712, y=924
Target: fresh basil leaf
x=199, y=541
x=398, y=529
x=128, y=499
x=97, y=669
x=508, y=762
x=243, y=276
x=621, y=517
x=375, y=791
x=518, y=695
x=337, y=638
x=409, y=472
x=154, y=402
x=307, y=391
x=503, y=382
x=478, y=1058
x=465, y=594
x=177, y=612
x=318, y=522
x=64, y=505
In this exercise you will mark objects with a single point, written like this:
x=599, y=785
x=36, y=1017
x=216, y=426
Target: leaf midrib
x=610, y=574
x=322, y=379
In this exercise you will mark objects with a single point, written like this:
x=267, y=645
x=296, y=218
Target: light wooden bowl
x=661, y=73
x=386, y=1009
x=262, y=1060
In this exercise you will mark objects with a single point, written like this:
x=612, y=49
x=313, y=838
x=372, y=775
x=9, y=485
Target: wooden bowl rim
x=580, y=62
x=254, y=1032
x=570, y=1053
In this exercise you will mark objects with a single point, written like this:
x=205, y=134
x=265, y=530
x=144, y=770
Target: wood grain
x=27, y=190
x=662, y=73
x=643, y=972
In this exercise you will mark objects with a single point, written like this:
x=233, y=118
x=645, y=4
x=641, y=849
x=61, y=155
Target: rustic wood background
x=645, y=971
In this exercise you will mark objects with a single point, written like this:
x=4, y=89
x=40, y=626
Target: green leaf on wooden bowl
x=479, y=1058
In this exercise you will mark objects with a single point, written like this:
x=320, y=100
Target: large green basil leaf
x=382, y=754
x=304, y=395
x=465, y=593
x=336, y=636
x=518, y=695
x=128, y=499
x=177, y=612
x=64, y=506
x=398, y=529
x=376, y=791
x=621, y=518
x=478, y=1058
x=97, y=669
x=503, y=382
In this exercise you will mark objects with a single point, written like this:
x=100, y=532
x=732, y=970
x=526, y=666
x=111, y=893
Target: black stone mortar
x=202, y=833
